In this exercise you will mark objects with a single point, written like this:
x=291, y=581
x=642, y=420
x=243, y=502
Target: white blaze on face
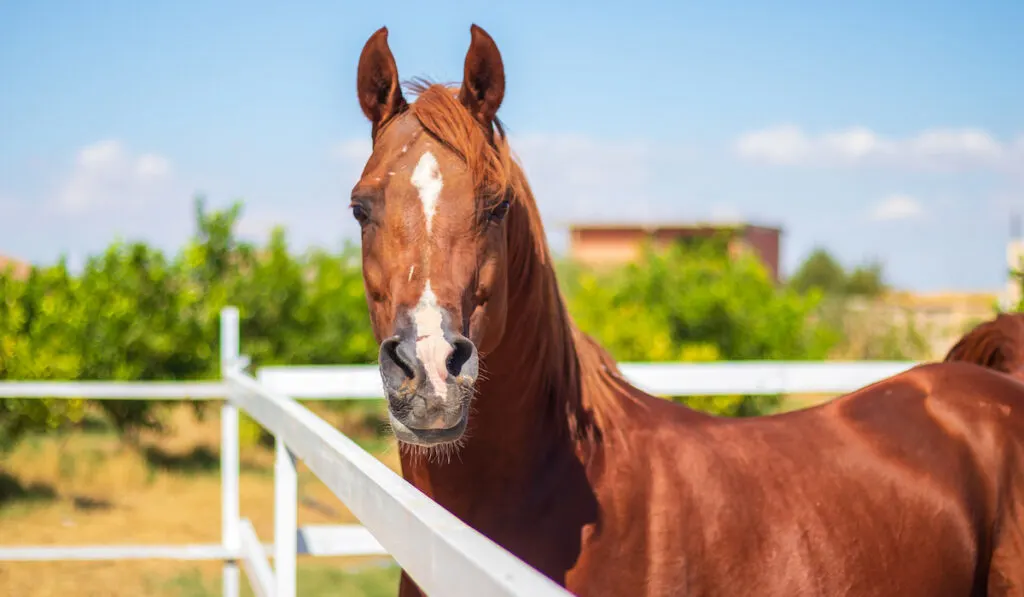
x=431, y=348
x=426, y=177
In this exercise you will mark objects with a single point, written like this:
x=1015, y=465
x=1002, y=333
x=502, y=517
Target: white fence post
x=285, y=519
x=229, y=458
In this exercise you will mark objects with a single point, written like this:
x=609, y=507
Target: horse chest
x=547, y=539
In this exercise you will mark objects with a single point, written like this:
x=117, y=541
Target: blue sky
x=878, y=130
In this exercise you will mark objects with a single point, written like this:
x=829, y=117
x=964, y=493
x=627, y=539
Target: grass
x=314, y=579
x=88, y=487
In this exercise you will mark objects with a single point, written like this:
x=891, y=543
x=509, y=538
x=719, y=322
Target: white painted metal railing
x=442, y=554
x=723, y=378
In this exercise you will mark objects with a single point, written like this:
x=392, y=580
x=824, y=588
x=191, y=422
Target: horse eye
x=499, y=211
x=359, y=213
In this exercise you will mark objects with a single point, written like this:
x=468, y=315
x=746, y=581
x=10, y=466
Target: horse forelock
x=484, y=149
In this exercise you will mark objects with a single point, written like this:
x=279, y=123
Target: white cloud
x=583, y=160
x=784, y=144
x=106, y=175
x=897, y=207
x=933, y=149
x=152, y=167
x=725, y=213
x=9, y=204
x=587, y=178
x=350, y=156
x=1009, y=199
x=258, y=226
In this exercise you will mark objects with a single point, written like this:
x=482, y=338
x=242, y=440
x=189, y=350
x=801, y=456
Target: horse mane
x=997, y=344
x=485, y=151
x=583, y=379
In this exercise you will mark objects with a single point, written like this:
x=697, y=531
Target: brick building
x=18, y=268
x=613, y=244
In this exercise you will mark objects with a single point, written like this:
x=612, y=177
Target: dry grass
x=88, y=488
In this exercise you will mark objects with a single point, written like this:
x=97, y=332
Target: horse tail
x=996, y=344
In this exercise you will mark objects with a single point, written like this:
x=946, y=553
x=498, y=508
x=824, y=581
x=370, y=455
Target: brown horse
x=523, y=427
x=997, y=344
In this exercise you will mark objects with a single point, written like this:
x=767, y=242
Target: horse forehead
x=437, y=180
x=425, y=181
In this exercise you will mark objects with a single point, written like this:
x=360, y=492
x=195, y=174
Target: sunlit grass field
x=87, y=487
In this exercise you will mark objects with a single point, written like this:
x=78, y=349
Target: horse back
x=829, y=500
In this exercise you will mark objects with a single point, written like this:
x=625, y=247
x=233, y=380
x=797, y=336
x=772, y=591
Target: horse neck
x=522, y=416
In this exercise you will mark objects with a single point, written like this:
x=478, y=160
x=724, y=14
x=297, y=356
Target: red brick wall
x=765, y=242
x=612, y=245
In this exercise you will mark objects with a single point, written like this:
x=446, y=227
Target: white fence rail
x=331, y=382
x=443, y=555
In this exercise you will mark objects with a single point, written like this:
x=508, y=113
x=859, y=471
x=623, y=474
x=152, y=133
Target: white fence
x=443, y=555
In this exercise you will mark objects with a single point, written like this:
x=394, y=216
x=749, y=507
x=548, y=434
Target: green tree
x=22, y=304
x=694, y=302
x=135, y=314
x=819, y=271
x=866, y=280
x=1018, y=274
x=823, y=272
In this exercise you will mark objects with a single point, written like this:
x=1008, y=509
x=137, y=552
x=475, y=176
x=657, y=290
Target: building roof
x=669, y=226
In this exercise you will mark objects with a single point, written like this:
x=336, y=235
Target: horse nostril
x=462, y=351
x=391, y=350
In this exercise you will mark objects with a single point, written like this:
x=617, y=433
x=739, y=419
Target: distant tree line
x=823, y=272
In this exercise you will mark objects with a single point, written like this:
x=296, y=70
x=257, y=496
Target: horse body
x=910, y=486
x=830, y=501
x=522, y=426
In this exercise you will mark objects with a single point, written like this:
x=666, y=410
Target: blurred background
x=736, y=181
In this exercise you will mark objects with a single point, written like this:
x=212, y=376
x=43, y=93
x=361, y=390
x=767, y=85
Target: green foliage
x=866, y=280
x=134, y=313
x=694, y=302
x=39, y=306
x=820, y=271
x=1018, y=275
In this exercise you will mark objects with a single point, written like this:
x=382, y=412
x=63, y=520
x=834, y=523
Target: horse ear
x=483, y=80
x=380, y=93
